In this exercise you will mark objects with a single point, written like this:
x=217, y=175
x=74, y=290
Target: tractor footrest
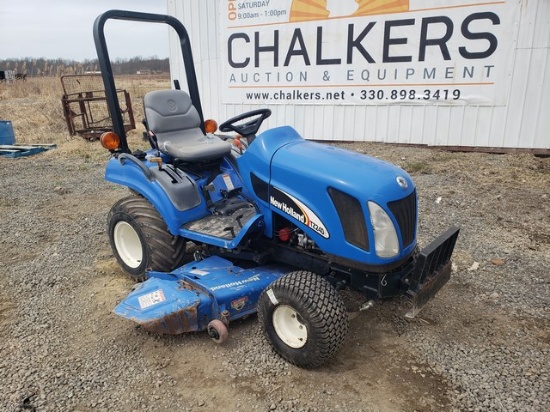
x=432, y=270
x=221, y=226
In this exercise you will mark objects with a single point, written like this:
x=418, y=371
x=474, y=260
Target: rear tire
x=140, y=239
x=304, y=318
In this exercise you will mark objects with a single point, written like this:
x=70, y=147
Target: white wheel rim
x=288, y=326
x=128, y=245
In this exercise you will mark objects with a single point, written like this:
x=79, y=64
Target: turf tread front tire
x=320, y=307
x=162, y=251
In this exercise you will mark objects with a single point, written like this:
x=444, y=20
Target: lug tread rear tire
x=322, y=310
x=163, y=251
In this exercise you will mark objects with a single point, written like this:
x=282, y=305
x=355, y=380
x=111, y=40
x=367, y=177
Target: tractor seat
x=175, y=122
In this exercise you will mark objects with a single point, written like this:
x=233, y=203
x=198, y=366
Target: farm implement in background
x=85, y=106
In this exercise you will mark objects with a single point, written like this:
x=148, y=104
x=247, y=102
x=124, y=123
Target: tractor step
x=223, y=226
x=231, y=220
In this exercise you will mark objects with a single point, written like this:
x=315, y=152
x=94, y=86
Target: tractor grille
x=351, y=217
x=404, y=211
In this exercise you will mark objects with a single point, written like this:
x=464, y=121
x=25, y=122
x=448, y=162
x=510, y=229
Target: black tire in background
x=304, y=318
x=140, y=239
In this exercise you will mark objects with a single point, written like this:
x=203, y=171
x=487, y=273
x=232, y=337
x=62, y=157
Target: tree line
x=32, y=67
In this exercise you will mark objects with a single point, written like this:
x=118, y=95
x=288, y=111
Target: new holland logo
x=238, y=304
x=297, y=210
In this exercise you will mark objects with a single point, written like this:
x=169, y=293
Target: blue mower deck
x=188, y=298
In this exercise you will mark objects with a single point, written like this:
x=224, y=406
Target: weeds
x=418, y=167
x=35, y=110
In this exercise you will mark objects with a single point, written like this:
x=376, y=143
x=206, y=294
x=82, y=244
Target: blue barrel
x=6, y=132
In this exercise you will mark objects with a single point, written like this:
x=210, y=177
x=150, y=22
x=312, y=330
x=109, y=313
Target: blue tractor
x=279, y=224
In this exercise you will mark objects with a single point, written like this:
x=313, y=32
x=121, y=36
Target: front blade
x=432, y=270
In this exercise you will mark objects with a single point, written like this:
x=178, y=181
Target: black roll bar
x=107, y=71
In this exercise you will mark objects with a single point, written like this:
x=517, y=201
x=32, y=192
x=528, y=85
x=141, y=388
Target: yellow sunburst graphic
x=304, y=10
x=367, y=7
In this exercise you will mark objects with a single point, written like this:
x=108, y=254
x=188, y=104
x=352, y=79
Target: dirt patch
x=7, y=313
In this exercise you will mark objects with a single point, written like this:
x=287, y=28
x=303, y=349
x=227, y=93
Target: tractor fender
x=175, y=197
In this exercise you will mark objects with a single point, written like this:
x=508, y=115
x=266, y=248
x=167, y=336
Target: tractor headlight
x=385, y=236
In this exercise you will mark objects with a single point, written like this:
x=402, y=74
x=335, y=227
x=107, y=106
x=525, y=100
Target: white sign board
x=367, y=51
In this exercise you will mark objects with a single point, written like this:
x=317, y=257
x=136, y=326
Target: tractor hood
x=325, y=190
x=361, y=176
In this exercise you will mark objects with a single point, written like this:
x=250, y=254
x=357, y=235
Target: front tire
x=304, y=318
x=140, y=239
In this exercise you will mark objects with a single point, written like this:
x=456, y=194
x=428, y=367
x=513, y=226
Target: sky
x=63, y=29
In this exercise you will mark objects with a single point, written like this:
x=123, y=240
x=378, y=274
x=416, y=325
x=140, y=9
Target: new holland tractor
x=279, y=224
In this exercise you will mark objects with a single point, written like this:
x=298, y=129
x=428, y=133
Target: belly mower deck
x=192, y=296
x=208, y=294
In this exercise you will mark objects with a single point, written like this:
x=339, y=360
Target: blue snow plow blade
x=188, y=298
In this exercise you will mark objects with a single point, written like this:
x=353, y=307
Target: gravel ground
x=482, y=345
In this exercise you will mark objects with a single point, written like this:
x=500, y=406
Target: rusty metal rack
x=85, y=106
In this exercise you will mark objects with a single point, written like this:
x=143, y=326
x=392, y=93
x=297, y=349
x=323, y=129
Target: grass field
x=35, y=110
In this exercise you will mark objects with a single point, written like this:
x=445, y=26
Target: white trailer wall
x=510, y=108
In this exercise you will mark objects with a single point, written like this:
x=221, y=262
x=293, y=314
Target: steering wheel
x=249, y=128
